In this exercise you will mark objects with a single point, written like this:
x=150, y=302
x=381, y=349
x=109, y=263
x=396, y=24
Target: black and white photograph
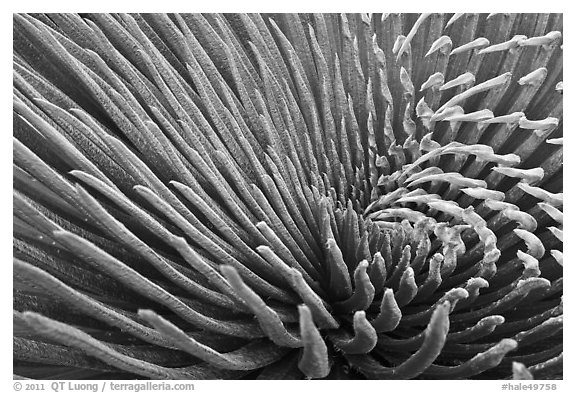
x=286, y=196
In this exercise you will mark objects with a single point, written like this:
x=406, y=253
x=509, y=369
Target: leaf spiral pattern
x=288, y=196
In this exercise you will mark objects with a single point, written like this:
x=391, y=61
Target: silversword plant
x=288, y=196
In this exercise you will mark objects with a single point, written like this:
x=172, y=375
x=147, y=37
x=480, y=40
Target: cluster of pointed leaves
x=287, y=196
